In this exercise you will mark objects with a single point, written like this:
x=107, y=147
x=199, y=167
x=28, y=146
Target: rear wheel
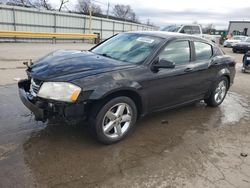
x=218, y=93
x=114, y=120
x=234, y=50
x=243, y=69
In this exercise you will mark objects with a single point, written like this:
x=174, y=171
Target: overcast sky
x=163, y=12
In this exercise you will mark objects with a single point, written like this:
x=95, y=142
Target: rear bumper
x=46, y=109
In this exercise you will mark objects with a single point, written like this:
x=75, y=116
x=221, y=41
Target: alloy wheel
x=117, y=120
x=220, y=91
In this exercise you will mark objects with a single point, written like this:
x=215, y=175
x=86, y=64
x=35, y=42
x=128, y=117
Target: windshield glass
x=129, y=47
x=171, y=28
x=236, y=38
x=239, y=38
x=247, y=40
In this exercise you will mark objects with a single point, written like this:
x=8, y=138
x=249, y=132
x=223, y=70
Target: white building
x=239, y=28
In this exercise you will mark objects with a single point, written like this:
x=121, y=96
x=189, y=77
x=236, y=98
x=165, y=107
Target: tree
x=133, y=17
x=3, y=1
x=23, y=3
x=63, y=2
x=207, y=29
x=83, y=6
x=44, y=4
x=124, y=12
x=31, y=3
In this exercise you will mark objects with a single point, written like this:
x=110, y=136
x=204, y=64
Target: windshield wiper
x=106, y=55
x=109, y=56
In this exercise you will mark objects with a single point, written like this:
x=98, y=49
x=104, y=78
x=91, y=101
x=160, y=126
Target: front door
x=171, y=86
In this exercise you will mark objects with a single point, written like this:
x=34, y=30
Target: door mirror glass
x=163, y=63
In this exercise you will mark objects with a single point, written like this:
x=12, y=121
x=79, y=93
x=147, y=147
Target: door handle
x=189, y=69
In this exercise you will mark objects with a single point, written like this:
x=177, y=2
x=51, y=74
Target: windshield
x=171, y=28
x=129, y=47
x=239, y=38
x=247, y=40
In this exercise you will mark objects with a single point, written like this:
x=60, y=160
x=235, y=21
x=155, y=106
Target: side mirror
x=163, y=63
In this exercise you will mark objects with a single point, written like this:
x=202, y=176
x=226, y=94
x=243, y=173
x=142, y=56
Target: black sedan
x=125, y=78
x=242, y=46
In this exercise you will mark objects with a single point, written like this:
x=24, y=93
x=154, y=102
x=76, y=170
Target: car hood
x=69, y=63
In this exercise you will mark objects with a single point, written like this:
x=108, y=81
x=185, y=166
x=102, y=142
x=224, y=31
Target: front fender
x=223, y=72
x=114, y=86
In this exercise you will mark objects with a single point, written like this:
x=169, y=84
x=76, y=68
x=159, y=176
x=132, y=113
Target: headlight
x=60, y=91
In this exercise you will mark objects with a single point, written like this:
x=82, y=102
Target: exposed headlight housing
x=61, y=91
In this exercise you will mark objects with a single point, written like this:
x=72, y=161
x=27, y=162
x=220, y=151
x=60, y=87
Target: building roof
x=239, y=21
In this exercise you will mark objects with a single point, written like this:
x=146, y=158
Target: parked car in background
x=125, y=78
x=234, y=40
x=246, y=62
x=243, y=46
x=214, y=38
x=191, y=29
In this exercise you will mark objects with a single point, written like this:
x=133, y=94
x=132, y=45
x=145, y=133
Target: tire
x=243, y=70
x=215, y=98
x=111, y=116
x=234, y=50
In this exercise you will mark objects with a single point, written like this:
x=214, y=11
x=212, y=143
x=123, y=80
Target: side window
x=196, y=30
x=186, y=29
x=177, y=52
x=203, y=51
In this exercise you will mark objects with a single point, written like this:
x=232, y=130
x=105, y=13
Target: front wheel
x=218, y=93
x=111, y=122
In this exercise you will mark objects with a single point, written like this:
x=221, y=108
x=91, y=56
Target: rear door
x=203, y=72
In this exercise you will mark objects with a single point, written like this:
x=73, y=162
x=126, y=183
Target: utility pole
x=108, y=11
x=90, y=17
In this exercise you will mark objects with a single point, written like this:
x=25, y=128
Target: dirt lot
x=195, y=146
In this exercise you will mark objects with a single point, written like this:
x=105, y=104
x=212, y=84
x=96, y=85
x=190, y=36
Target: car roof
x=183, y=25
x=168, y=35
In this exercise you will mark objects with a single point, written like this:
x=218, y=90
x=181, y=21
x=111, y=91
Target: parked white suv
x=191, y=29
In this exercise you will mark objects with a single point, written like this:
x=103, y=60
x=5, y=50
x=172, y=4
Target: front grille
x=35, y=86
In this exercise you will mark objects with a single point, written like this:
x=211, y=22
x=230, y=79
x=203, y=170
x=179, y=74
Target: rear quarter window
x=186, y=30
x=196, y=30
x=203, y=51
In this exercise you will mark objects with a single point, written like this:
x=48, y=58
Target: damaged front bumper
x=48, y=109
